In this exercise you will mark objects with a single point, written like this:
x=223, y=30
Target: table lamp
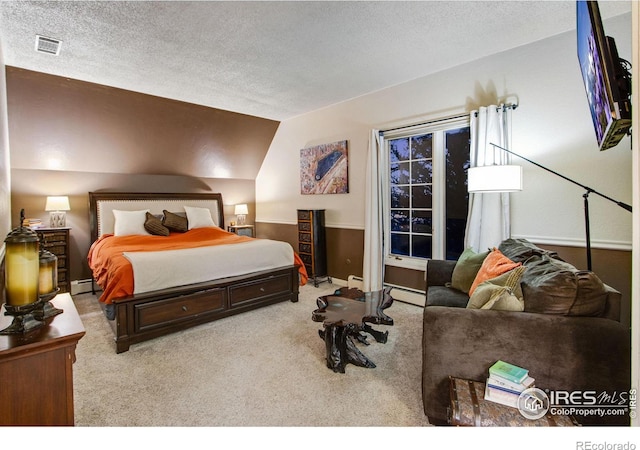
x=241, y=212
x=57, y=205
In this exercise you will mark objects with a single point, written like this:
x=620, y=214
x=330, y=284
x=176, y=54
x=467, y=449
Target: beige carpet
x=264, y=368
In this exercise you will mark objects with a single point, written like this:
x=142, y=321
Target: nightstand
x=36, y=369
x=56, y=240
x=241, y=230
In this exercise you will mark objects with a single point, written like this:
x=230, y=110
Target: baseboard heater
x=400, y=293
x=80, y=286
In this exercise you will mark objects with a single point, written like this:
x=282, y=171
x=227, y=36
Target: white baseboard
x=80, y=286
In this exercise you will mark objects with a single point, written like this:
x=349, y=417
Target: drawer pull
x=261, y=289
x=184, y=308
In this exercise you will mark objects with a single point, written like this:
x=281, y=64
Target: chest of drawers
x=312, y=244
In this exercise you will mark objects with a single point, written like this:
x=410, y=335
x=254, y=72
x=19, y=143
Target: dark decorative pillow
x=174, y=222
x=551, y=286
x=154, y=226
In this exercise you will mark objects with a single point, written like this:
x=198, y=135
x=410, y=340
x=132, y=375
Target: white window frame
x=437, y=127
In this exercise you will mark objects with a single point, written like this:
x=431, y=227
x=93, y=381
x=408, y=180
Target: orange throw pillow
x=494, y=265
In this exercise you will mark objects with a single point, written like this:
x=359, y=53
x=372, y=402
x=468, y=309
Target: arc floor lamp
x=508, y=178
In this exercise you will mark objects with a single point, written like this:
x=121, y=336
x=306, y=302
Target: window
x=427, y=197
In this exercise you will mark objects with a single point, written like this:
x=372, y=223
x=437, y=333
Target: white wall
x=5, y=179
x=552, y=126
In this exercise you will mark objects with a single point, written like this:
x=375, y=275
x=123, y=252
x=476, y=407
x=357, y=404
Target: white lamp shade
x=57, y=203
x=241, y=209
x=495, y=179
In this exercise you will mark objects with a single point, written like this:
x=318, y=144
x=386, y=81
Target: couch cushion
x=446, y=296
x=552, y=286
x=502, y=293
x=466, y=269
x=494, y=264
x=519, y=250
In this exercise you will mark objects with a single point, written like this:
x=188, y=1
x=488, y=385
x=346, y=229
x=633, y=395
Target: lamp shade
x=241, y=209
x=495, y=179
x=57, y=203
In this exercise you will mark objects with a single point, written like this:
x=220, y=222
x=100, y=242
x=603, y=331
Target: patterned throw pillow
x=501, y=293
x=174, y=222
x=154, y=226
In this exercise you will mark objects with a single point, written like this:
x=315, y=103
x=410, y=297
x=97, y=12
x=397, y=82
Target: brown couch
x=569, y=335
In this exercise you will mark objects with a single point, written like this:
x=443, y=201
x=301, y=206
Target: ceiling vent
x=48, y=45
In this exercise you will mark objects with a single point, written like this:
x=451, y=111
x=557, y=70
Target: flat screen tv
x=606, y=77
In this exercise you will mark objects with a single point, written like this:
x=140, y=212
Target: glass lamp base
x=57, y=219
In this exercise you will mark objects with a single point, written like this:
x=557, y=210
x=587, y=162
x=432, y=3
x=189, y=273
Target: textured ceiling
x=271, y=59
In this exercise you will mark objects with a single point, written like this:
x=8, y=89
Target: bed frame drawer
x=256, y=290
x=161, y=313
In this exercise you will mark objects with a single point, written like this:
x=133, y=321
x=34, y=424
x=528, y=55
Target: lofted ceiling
x=271, y=59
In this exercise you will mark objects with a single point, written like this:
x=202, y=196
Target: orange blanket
x=113, y=271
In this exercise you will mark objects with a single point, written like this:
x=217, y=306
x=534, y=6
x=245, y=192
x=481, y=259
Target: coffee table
x=346, y=315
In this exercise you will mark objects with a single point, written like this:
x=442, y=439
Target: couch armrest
x=439, y=272
x=561, y=353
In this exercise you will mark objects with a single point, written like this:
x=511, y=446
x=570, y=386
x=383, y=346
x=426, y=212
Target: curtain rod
x=512, y=106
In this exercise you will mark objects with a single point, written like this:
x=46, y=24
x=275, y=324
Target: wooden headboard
x=102, y=204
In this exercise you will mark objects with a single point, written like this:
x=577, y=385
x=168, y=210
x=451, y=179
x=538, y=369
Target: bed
x=164, y=263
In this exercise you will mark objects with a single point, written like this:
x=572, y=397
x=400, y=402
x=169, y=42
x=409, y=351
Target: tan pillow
x=175, y=222
x=154, y=226
x=466, y=269
x=501, y=293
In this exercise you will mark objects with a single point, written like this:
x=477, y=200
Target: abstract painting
x=323, y=169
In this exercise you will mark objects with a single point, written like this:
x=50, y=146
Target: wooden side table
x=36, y=369
x=242, y=230
x=469, y=408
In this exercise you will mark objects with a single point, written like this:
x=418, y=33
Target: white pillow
x=129, y=222
x=199, y=217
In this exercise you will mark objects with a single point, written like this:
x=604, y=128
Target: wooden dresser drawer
x=304, y=237
x=304, y=226
x=259, y=289
x=160, y=313
x=304, y=214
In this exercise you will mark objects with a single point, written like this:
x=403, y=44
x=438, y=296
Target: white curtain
x=373, y=265
x=488, y=221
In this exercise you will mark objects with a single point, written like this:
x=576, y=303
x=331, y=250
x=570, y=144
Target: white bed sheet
x=171, y=268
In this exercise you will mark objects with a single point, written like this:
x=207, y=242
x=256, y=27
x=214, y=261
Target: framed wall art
x=324, y=169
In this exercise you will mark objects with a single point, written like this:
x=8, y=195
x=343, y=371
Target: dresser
x=312, y=244
x=36, y=369
x=56, y=240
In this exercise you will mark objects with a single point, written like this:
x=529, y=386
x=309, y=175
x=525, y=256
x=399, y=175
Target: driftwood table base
x=344, y=316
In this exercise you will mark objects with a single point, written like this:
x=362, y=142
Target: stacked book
x=34, y=224
x=506, y=382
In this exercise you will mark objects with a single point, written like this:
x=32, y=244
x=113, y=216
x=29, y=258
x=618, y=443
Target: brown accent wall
x=345, y=248
x=58, y=123
x=69, y=137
